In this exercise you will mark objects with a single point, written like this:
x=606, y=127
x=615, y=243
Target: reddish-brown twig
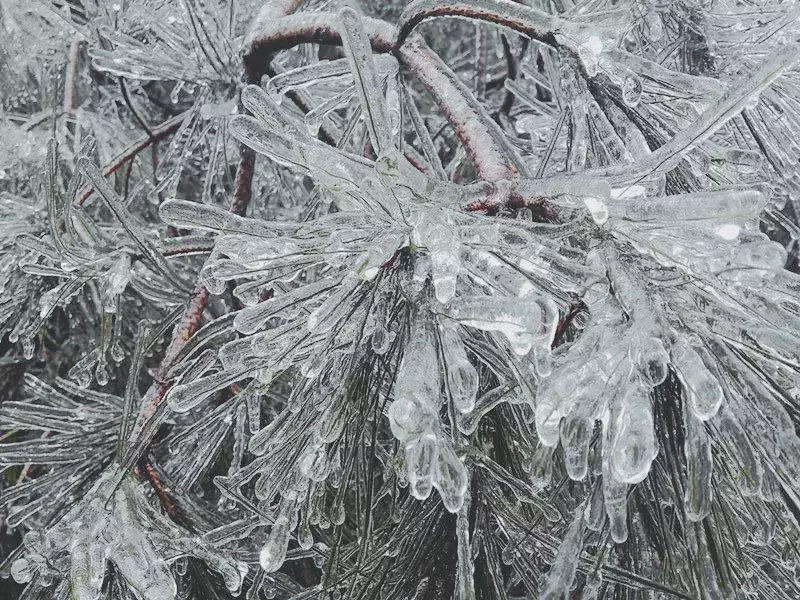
x=566, y=320
x=164, y=130
x=196, y=305
x=541, y=207
x=518, y=20
x=163, y=492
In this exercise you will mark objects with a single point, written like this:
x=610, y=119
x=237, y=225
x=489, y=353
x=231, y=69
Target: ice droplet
x=632, y=90
x=421, y=453
x=21, y=570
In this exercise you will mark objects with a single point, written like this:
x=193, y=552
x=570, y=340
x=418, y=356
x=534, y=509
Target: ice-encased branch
x=488, y=147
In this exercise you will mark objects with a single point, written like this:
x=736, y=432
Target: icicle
x=652, y=360
x=332, y=422
x=542, y=466
x=87, y=568
x=421, y=454
x=523, y=321
x=699, y=467
x=576, y=434
x=418, y=375
x=468, y=422
x=273, y=554
x=314, y=464
x=702, y=391
x=615, y=493
x=548, y=417
x=431, y=230
x=576, y=157
x=633, y=445
x=139, y=563
x=253, y=402
x=616, y=503
x=82, y=370
x=117, y=279
x=184, y=397
x=449, y=476
x=595, y=511
x=240, y=439
x=462, y=378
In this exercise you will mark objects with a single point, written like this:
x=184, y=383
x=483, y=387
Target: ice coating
x=485, y=299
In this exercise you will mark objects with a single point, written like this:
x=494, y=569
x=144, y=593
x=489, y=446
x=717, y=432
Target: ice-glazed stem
x=487, y=146
x=359, y=56
x=562, y=574
x=730, y=104
x=538, y=25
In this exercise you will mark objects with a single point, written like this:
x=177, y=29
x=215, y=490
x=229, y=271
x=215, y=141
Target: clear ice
x=465, y=299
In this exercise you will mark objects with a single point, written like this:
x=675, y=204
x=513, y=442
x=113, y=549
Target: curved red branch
x=535, y=24
x=487, y=146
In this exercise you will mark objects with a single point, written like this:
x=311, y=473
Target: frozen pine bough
x=466, y=300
